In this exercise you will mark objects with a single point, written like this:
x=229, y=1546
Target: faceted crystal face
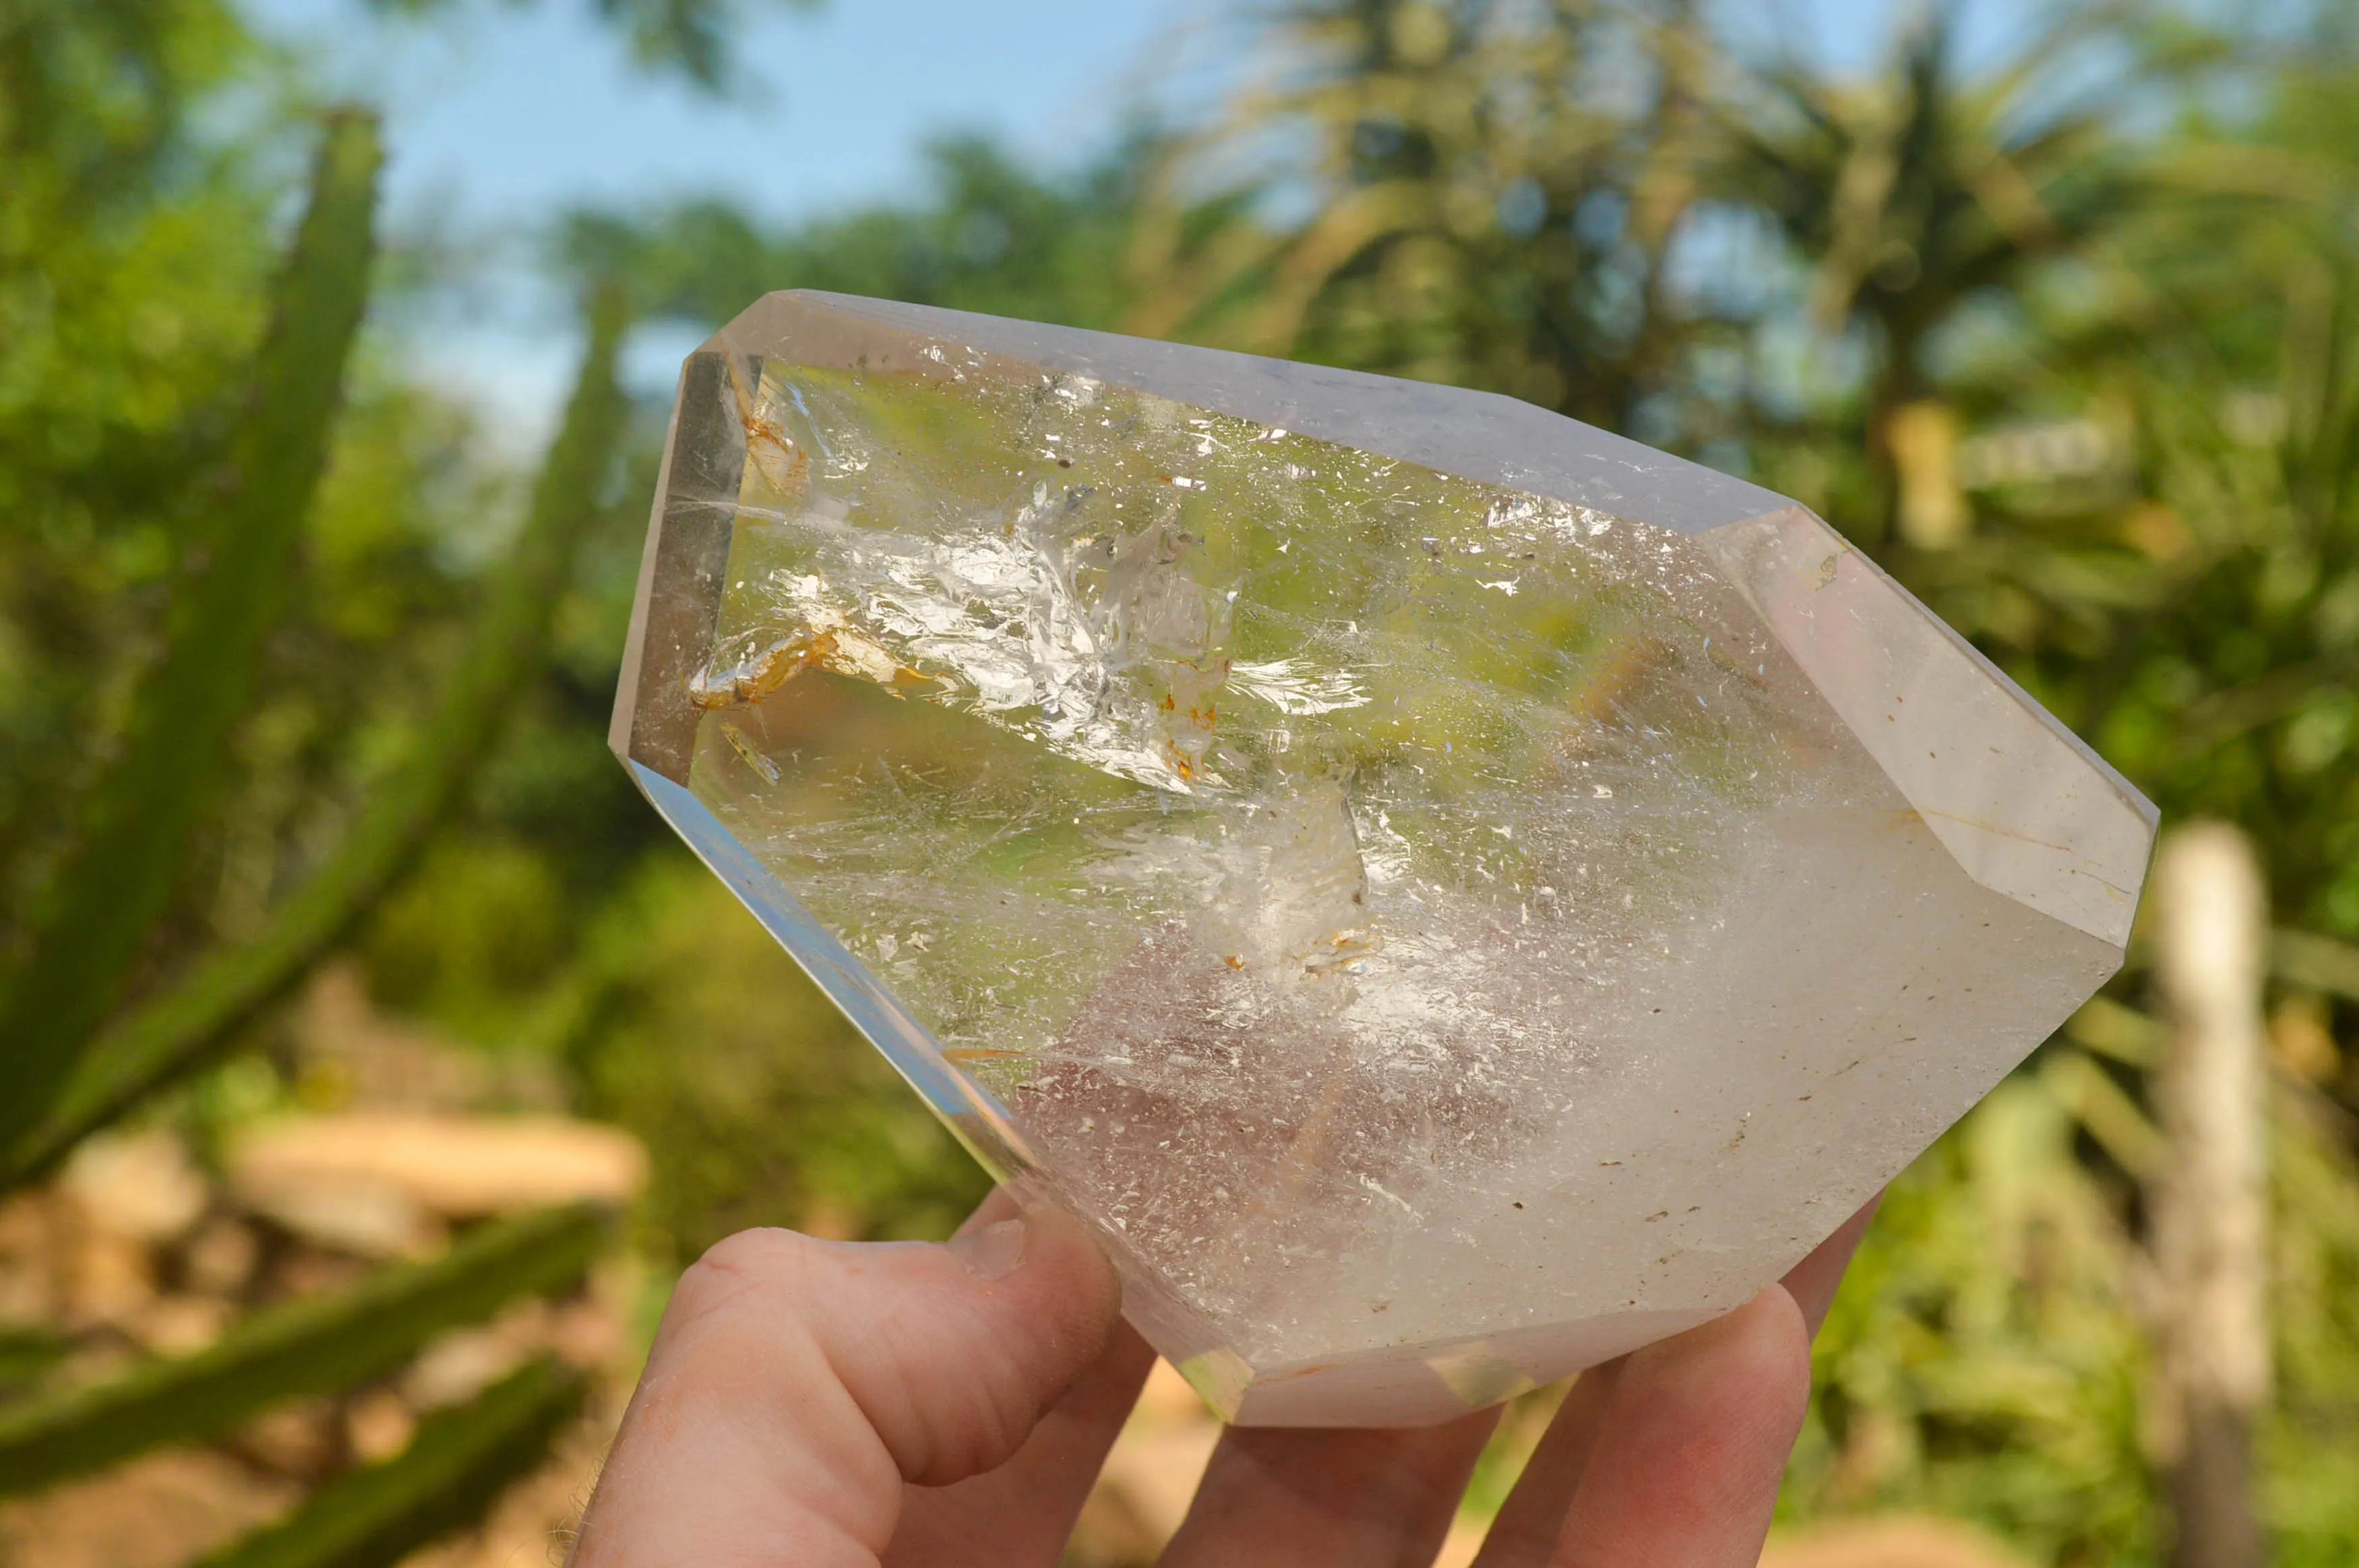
x=1450, y=895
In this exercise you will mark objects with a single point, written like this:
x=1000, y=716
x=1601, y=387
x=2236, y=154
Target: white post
x=2210, y=1205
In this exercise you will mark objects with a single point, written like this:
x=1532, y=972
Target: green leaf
x=2316, y=963
x=26, y=1352
x=449, y=1476
x=197, y=1016
x=92, y=919
x=320, y=1344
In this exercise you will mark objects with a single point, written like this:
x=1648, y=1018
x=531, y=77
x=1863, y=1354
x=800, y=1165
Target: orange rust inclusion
x=963, y=1054
x=1185, y=750
x=785, y=465
x=771, y=669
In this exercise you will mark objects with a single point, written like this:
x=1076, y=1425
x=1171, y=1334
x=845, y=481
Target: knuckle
x=750, y=1260
x=755, y=1250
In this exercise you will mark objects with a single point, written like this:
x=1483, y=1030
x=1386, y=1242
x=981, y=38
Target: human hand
x=827, y=1404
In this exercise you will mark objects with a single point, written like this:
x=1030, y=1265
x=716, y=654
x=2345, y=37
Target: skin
x=826, y=1404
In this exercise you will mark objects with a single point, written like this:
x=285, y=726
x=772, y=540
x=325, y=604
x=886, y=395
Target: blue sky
x=510, y=111
x=501, y=115
x=500, y=111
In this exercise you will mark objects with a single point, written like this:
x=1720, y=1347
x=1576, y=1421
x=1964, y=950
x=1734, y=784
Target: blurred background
x=372, y=1058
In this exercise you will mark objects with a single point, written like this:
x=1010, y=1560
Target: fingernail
x=992, y=1251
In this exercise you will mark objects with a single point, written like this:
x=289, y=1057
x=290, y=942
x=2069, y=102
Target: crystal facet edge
x=978, y=1120
x=677, y=598
x=1481, y=436
x=2005, y=809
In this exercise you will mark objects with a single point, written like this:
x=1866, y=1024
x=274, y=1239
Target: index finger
x=796, y=1385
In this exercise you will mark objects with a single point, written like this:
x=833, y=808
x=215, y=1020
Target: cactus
x=185, y=1026
x=26, y=1352
x=320, y=1344
x=76, y=1058
x=454, y=1467
x=92, y=920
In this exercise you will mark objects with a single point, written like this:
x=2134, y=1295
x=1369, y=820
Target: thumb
x=796, y=1384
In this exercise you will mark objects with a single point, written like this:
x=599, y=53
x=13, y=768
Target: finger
x=796, y=1385
x=1277, y=1497
x=1021, y=1513
x=997, y=1205
x=1812, y=1281
x=1532, y=1518
x=1693, y=1444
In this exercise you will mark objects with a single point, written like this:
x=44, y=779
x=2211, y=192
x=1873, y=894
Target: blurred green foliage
x=453, y=1469
x=2063, y=334
x=166, y=751
x=764, y=1106
x=123, y=854
x=990, y=236
x=1985, y=1362
x=315, y=1344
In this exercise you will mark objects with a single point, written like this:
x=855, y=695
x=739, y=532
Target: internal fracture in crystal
x=1449, y=894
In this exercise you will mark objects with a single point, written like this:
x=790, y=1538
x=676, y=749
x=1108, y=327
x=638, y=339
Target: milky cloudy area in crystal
x=1407, y=915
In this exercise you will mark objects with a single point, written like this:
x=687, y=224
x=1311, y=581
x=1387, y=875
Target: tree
x=1493, y=194
x=988, y=235
x=1923, y=200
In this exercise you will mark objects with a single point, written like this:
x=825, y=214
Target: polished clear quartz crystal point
x=1451, y=895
